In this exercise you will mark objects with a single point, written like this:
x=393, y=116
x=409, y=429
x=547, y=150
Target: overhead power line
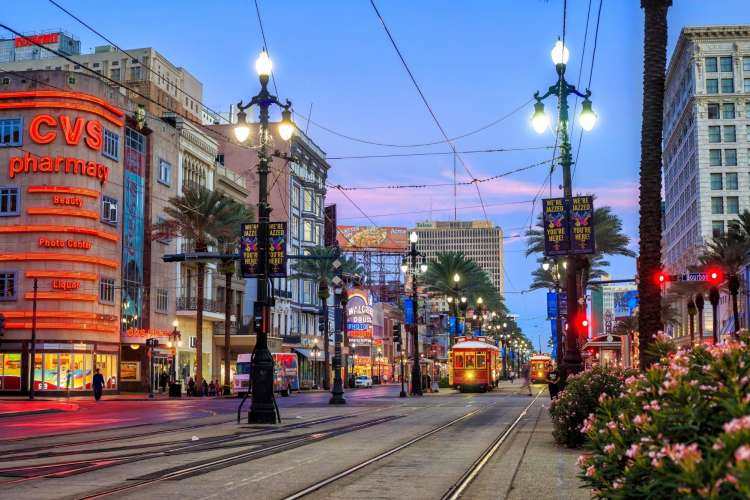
x=427, y=104
x=436, y=153
x=265, y=44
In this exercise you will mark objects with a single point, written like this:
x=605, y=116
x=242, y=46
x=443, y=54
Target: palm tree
x=197, y=216
x=730, y=253
x=474, y=281
x=654, y=70
x=228, y=238
x=319, y=267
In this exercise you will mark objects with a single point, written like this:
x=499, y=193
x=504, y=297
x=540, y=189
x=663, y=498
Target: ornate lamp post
x=416, y=372
x=175, y=341
x=262, y=408
x=540, y=121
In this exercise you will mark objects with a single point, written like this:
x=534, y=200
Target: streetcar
x=474, y=364
x=285, y=373
x=539, y=368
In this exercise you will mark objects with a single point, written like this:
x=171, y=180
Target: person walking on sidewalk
x=525, y=377
x=98, y=384
x=553, y=380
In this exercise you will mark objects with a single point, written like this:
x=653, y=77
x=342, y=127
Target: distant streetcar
x=540, y=366
x=474, y=364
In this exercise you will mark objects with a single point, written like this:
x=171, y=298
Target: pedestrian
x=191, y=387
x=204, y=388
x=98, y=384
x=553, y=379
x=212, y=388
x=163, y=378
x=525, y=376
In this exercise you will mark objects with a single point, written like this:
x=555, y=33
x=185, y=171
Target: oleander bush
x=579, y=399
x=680, y=430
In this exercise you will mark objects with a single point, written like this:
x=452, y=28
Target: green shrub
x=580, y=399
x=682, y=429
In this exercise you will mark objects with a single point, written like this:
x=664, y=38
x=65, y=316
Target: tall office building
x=480, y=241
x=706, y=141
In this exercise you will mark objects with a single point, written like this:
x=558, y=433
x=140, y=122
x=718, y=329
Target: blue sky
x=476, y=61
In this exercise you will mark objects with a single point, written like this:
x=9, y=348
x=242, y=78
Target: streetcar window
x=459, y=361
x=469, y=361
x=480, y=360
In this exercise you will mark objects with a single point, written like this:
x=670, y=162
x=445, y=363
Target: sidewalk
x=17, y=408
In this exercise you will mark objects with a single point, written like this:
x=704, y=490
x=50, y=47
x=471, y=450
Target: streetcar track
x=208, y=465
x=455, y=491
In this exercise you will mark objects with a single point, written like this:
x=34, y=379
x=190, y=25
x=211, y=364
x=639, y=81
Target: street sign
x=693, y=277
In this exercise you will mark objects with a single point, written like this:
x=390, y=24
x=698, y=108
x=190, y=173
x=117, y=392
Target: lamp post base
x=402, y=394
x=262, y=408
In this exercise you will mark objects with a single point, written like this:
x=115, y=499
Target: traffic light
x=397, y=334
x=2, y=325
x=661, y=278
x=584, y=323
x=714, y=276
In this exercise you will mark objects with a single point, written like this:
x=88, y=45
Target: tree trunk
x=327, y=354
x=654, y=69
x=227, y=331
x=736, y=315
x=199, y=328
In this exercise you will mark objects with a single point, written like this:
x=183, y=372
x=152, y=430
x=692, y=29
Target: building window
x=307, y=234
x=714, y=133
x=8, y=285
x=725, y=64
x=10, y=201
x=295, y=196
x=746, y=63
x=730, y=133
x=711, y=66
x=10, y=132
x=163, y=238
x=727, y=85
x=746, y=85
x=295, y=227
x=109, y=210
x=717, y=228
x=135, y=73
x=733, y=205
x=730, y=157
x=165, y=172
x=717, y=205
x=716, y=182
x=712, y=86
x=714, y=157
x=111, y=145
x=162, y=300
x=307, y=204
x=107, y=290
x=727, y=111
x=713, y=111
x=732, y=182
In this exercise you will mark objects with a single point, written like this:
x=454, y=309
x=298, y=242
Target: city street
x=195, y=449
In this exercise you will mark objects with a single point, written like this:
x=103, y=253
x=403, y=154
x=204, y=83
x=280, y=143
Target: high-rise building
x=147, y=73
x=706, y=142
x=480, y=241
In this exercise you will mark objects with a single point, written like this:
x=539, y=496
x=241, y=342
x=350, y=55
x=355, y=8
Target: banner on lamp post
x=582, y=225
x=250, y=265
x=556, y=234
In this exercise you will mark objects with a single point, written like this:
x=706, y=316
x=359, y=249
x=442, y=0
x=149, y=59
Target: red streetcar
x=540, y=366
x=474, y=364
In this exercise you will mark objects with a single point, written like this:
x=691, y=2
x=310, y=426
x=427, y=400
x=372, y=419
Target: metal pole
x=337, y=393
x=416, y=371
x=151, y=372
x=713, y=297
x=262, y=408
x=32, y=363
x=559, y=329
x=326, y=354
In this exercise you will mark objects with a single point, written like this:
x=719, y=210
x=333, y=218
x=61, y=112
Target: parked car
x=363, y=381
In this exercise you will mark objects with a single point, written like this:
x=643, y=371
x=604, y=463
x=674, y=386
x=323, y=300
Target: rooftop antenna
x=309, y=114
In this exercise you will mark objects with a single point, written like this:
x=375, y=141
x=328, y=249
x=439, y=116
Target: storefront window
x=10, y=371
x=107, y=364
x=66, y=371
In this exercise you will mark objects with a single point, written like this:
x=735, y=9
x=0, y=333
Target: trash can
x=175, y=390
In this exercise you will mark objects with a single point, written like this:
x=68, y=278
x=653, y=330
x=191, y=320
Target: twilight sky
x=476, y=62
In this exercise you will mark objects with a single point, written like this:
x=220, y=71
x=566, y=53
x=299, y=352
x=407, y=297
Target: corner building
x=75, y=214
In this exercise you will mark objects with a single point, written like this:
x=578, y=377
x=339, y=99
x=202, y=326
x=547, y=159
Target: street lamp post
x=540, y=121
x=262, y=408
x=175, y=341
x=416, y=372
x=315, y=353
x=340, y=300
x=504, y=340
x=559, y=350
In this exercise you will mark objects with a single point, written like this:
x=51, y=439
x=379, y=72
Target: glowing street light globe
x=560, y=53
x=587, y=118
x=263, y=64
x=241, y=130
x=540, y=120
x=413, y=237
x=286, y=125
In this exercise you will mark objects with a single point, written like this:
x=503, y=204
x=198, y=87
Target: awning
x=304, y=352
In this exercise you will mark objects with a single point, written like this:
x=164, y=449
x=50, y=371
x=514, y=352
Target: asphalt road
x=376, y=446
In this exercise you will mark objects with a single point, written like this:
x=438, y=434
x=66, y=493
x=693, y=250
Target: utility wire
x=265, y=44
x=427, y=104
x=434, y=153
x=588, y=85
x=464, y=207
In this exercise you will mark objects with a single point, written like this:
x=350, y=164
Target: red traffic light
x=714, y=276
x=585, y=323
x=661, y=278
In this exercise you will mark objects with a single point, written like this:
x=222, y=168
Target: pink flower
x=633, y=451
x=641, y=419
x=588, y=424
x=737, y=424
x=655, y=405
x=611, y=425
x=718, y=445
x=617, y=484
x=590, y=471
x=730, y=478
x=602, y=397
x=680, y=453
x=582, y=460
x=609, y=449
x=742, y=453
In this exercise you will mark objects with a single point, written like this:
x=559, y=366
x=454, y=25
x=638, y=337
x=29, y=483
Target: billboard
x=250, y=252
x=134, y=188
x=359, y=314
x=352, y=238
x=625, y=303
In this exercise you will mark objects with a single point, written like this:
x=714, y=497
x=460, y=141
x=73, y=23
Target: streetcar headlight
x=470, y=375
